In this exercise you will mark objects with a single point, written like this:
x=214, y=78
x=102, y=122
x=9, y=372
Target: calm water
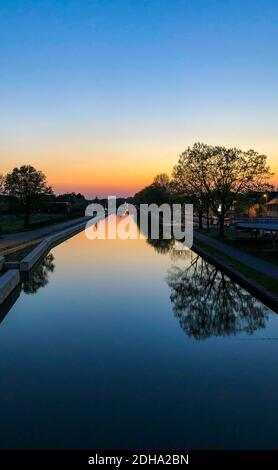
x=121, y=344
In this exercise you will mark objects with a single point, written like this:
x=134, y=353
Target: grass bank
x=37, y=221
x=262, y=279
x=260, y=285
x=261, y=248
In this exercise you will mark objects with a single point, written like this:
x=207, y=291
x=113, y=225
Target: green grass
x=37, y=221
x=260, y=247
x=8, y=227
x=260, y=278
x=214, y=231
x=17, y=225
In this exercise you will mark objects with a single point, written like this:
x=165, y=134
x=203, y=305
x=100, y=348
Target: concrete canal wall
x=8, y=282
x=11, y=278
x=49, y=242
x=2, y=261
x=265, y=296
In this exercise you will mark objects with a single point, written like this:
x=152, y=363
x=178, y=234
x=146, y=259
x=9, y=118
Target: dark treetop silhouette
x=26, y=183
x=214, y=177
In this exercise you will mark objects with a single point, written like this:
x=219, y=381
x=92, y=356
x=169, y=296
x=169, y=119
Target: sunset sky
x=103, y=94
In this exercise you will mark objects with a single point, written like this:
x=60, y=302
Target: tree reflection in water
x=39, y=278
x=207, y=303
x=160, y=245
x=170, y=246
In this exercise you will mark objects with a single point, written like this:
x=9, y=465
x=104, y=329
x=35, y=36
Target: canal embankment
x=8, y=282
x=12, y=242
x=12, y=269
x=253, y=274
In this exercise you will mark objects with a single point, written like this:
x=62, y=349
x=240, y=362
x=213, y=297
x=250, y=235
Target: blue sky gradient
x=123, y=87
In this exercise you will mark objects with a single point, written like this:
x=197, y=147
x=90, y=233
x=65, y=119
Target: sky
x=101, y=95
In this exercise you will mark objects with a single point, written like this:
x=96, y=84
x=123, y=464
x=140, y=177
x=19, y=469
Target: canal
x=133, y=344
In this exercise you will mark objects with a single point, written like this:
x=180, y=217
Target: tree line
x=213, y=178
x=27, y=188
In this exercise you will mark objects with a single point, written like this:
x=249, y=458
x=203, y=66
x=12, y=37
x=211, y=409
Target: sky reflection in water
x=129, y=344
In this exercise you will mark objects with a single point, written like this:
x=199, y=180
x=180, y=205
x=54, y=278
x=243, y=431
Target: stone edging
x=268, y=298
x=34, y=256
x=8, y=282
x=11, y=278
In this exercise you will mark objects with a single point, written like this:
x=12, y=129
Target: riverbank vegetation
x=222, y=184
x=215, y=179
x=269, y=284
x=27, y=202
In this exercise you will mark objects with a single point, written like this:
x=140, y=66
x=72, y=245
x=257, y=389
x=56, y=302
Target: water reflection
x=172, y=247
x=106, y=344
x=40, y=276
x=207, y=303
x=31, y=282
x=9, y=302
x=162, y=246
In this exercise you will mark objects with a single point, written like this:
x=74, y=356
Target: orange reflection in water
x=96, y=258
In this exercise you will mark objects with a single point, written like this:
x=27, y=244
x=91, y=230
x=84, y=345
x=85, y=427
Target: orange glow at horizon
x=124, y=179
x=99, y=181
x=107, y=175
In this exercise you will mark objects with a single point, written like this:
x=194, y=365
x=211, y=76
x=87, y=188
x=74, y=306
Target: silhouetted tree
x=26, y=183
x=161, y=245
x=221, y=175
x=162, y=179
x=154, y=193
x=73, y=198
x=187, y=182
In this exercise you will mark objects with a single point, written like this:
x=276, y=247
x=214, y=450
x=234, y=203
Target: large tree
x=222, y=175
x=26, y=183
x=154, y=193
x=187, y=182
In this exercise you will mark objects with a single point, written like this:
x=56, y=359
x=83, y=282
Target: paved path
x=21, y=238
x=253, y=262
